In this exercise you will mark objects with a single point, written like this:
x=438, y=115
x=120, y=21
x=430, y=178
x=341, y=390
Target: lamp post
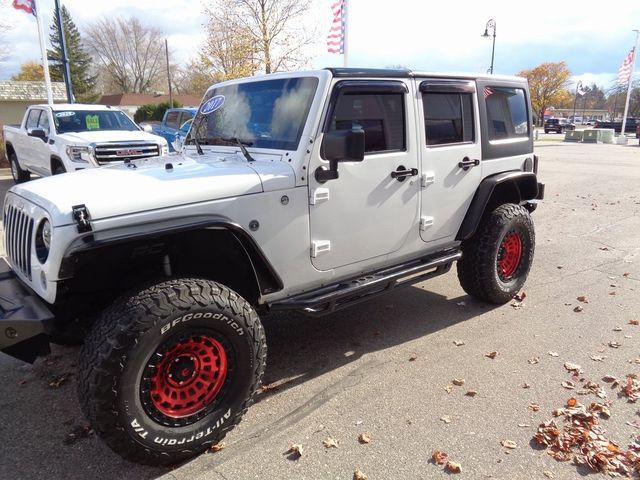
x=491, y=23
x=578, y=87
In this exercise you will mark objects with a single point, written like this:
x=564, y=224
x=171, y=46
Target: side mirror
x=147, y=128
x=38, y=133
x=340, y=146
x=178, y=143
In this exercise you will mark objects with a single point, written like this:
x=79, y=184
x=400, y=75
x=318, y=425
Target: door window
x=173, y=119
x=43, y=123
x=448, y=118
x=32, y=119
x=380, y=115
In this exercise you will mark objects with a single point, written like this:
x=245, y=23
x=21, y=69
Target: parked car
x=61, y=138
x=630, y=126
x=176, y=123
x=300, y=191
x=558, y=125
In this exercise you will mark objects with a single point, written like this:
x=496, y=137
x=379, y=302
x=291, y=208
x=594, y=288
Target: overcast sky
x=422, y=35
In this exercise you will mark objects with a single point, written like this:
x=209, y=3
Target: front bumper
x=24, y=318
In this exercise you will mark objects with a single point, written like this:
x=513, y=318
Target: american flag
x=488, y=91
x=335, y=39
x=624, y=72
x=28, y=6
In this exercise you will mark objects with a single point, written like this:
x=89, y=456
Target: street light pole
x=578, y=87
x=491, y=23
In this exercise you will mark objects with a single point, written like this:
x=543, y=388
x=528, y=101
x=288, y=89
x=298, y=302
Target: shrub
x=150, y=112
x=4, y=162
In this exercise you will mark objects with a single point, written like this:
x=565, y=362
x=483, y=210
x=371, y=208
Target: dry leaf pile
x=584, y=439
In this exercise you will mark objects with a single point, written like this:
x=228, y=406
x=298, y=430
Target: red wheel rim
x=189, y=376
x=509, y=255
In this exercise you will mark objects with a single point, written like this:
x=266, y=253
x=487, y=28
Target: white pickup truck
x=60, y=138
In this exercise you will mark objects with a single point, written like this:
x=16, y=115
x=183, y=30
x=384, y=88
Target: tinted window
x=448, y=118
x=32, y=119
x=173, y=119
x=264, y=114
x=380, y=115
x=507, y=112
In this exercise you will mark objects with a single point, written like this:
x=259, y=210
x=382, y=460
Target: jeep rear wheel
x=19, y=175
x=496, y=260
x=168, y=371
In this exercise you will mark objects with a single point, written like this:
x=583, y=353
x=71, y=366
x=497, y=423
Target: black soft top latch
x=82, y=217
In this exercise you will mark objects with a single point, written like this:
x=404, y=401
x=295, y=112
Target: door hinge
x=319, y=195
x=82, y=217
x=427, y=179
x=320, y=246
x=425, y=222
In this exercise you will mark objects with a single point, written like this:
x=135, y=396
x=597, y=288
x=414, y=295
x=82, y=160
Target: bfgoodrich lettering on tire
x=496, y=260
x=169, y=370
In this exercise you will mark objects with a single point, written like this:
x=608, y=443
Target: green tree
x=80, y=62
x=548, y=85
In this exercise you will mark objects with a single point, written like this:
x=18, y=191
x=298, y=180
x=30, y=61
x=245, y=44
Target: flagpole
x=43, y=52
x=623, y=139
x=345, y=6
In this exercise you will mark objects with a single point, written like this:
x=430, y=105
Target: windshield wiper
x=241, y=144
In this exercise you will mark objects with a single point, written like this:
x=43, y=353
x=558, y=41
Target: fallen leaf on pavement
x=412, y=358
x=597, y=358
x=491, y=355
x=583, y=299
x=446, y=418
x=614, y=344
x=568, y=385
x=609, y=379
x=449, y=388
x=617, y=329
x=626, y=274
x=572, y=402
x=554, y=354
x=458, y=382
x=634, y=322
x=461, y=304
x=359, y=475
x=526, y=385
x=458, y=343
x=578, y=309
x=265, y=387
x=573, y=367
x=534, y=360
x=295, y=449
x=606, y=249
x=509, y=444
x=59, y=381
x=547, y=474
x=471, y=393
x=217, y=447
x=524, y=425
x=364, y=438
x=534, y=407
x=520, y=296
x=453, y=467
x=330, y=442
x=439, y=457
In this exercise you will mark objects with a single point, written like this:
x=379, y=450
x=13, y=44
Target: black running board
x=336, y=296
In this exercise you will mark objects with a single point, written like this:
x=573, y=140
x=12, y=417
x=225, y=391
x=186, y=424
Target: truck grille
x=117, y=152
x=18, y=234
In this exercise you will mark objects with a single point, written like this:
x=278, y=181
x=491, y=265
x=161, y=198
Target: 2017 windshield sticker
x=65, y=114
x=211, y=105
x=93, y=122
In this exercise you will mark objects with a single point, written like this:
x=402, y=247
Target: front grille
x=18, y=234
x=117, y=152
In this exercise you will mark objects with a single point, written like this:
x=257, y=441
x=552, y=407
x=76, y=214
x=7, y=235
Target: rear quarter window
x=506, y=112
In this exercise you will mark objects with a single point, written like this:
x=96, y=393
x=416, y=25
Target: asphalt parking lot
x=383, y=368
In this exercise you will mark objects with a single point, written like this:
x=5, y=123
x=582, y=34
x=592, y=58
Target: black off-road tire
x=58, y=169
x=19, y=175
x=123, y=356
x=489, y=269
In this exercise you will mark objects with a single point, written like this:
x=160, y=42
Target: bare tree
x=229, y=49
x=273, y=29
x=130, y=53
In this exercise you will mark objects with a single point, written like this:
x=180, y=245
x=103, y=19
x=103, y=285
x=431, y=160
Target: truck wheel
x=168, y=370
x=496, y=260
x=58, y=169
x=19, y=175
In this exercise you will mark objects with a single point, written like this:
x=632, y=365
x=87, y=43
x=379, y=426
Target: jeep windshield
x=262, y=114
x=68, y=121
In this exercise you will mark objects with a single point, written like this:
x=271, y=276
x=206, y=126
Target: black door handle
x=401, y=173
x=467, y=163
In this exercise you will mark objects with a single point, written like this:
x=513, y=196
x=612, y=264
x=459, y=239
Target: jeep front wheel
x=496, y=260
x=169, y=370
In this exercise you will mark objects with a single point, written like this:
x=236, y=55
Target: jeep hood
x=153, y=184
x=111, y=136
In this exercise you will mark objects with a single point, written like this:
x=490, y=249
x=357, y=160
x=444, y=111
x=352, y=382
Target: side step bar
x=340, y=295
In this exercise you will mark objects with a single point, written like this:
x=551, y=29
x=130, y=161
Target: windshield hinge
x=82, y=217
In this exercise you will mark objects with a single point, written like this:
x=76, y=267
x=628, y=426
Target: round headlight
x=43, y=240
